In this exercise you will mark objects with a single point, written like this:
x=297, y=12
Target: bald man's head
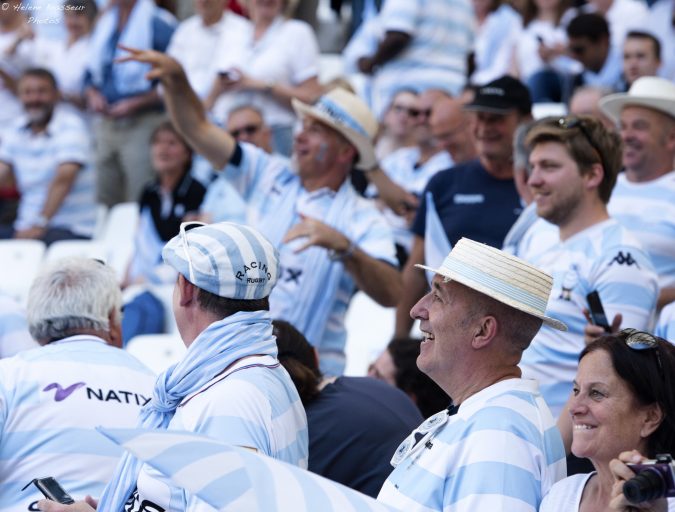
x=450, y=126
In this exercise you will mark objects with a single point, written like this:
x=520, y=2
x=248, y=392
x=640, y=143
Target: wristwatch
x=334, y=255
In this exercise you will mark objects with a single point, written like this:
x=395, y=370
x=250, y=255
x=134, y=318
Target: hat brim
x=363, y=145
x=492, y=110
x=613, y=104
x=551, y=322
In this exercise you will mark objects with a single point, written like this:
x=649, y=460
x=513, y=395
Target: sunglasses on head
x=249, y=129
x=641, y=340
x=571, y=123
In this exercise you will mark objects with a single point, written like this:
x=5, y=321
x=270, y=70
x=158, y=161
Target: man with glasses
x=330, y=239
x=53, y=397
x=574, y=164
x=496, y=447
x=229, y=384
x=478, y=198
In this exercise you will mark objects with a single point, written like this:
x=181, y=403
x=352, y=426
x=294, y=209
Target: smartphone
x=598, y=316
x=231, y=75
x=51, y=490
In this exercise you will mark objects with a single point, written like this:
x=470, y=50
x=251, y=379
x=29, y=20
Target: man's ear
x=485, y=331
x=595, y=176
x=187, y=292
x=115, y=329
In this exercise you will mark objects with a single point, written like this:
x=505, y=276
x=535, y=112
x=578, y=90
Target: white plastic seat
x=118, y=235
x=20, y=262
x=370, y=327
x=79, y=248
x=101, y=220
x=157, y=351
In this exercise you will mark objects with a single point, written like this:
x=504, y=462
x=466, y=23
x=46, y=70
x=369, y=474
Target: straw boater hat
x=648, y=91
x=501, y=276
x=347, y=114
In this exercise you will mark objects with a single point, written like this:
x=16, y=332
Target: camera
x=654, y=479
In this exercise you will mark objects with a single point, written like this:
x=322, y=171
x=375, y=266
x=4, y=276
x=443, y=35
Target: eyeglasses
x=570, y=123
x=412, y=112
x=641, y=340
x=184, y=228
x=248, y=129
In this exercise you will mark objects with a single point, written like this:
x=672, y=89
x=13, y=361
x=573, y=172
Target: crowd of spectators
x=484, y=167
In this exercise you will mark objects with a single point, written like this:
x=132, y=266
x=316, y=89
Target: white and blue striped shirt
x=51, y=400
x=401, y=167
x=14, y=335
x=648, y=210
x=254, y=404
x=442, y=34
x=35, y=159
x=502, y=451
x=604, y=257
x=665, y=327
x=264, y=184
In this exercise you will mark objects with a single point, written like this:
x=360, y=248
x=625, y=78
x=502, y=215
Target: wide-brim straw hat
x=347, y=114
x=503, y=277
x=649, y=91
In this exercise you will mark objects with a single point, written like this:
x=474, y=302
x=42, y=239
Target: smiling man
x=574, y=163
x=330, y=239
x=497, y=447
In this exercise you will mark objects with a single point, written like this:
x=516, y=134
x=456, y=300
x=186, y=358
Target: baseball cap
x=501, y=96
x=227, y=259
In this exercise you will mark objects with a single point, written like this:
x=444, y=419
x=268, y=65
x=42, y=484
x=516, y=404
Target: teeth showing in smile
x=583, y=427
x=428, y=336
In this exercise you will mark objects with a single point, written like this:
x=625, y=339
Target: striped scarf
x=217, y=347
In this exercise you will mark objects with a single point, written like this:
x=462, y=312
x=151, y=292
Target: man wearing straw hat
x=229, y=384
x=322, y=260
x=644, y=197
x=496, y=447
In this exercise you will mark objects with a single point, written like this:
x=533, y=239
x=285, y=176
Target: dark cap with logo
x=502, y=96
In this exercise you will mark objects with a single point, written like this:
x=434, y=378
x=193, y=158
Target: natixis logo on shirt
x=61, y=392
x=99, y=394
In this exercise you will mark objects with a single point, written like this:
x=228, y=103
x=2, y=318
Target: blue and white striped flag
x=436, y=243
x=236, y=479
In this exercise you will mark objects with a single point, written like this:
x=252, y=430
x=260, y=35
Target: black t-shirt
x=355, y=426
x=471, y=203
x=186, y=197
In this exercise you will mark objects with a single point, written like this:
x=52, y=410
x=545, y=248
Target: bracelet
x=334, y=255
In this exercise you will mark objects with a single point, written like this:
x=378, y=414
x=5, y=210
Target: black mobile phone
x=51, y=490
x=598, y=316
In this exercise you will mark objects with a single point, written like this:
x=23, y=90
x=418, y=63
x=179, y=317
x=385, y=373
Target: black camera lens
x=648, y=485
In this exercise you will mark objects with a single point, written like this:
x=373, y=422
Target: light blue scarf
x=217, y=347
x=316, y=296
x=129, y=77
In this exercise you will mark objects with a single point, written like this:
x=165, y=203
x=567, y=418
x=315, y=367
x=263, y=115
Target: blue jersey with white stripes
x=14, y=335
x=253, y=404
x=35, y=159
x=442, y=34
x=665, y=327
x=51, y=400
x=648, y=210
x=604, y=257
x=502, y=451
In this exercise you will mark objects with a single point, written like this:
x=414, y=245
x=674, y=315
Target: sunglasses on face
x=411, y=112
x=249, y=129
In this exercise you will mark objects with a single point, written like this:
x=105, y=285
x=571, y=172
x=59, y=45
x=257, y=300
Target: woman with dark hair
x=623, y=399
x=355, y=424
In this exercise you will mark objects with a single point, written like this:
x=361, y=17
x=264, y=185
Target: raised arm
x=185, y=108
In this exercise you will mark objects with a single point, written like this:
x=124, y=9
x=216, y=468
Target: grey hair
x=71, y=295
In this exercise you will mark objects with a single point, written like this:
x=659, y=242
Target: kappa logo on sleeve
x=61, y=392
x=624, y=259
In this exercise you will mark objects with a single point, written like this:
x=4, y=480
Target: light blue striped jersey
x=665, y=327
x=14, y=335
x=648, y=210
x=604, y=257
x=502, y=451
x=51, y=400
x=265, y=184
x=253, y=404
x=442, y=32
x=401, y=167
x=35, y=159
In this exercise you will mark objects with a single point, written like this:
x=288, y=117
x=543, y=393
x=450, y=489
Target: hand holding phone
x=597, y=312
x=51, y=490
